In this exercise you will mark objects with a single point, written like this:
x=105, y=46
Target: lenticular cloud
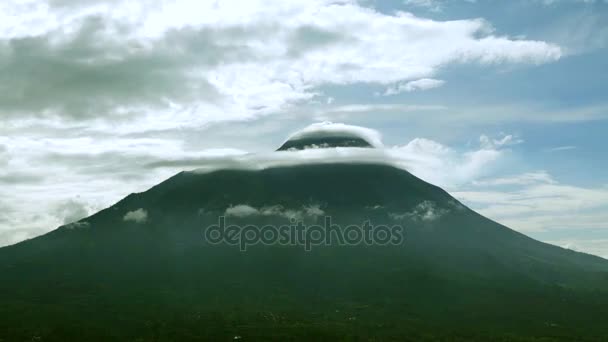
x=317, y=154
x=329, y=130
x=427, y=159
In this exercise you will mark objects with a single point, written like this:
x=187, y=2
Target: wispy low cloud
x=556, y=2
x=427, y=159
x=138, y=216
x=535, y=202
x=522, y=179
x=72, y=211
x=561, y=148
x=244, y=210
x=421, y=84
x=426, y=211
x=431, y=5
x=504, y=141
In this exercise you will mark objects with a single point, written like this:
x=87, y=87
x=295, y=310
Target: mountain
x=144, y=269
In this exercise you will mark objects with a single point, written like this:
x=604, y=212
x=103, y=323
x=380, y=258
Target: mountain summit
x=145, y=269
x=328, y=135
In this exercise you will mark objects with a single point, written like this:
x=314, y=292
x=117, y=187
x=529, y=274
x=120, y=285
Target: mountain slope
x=156, y=278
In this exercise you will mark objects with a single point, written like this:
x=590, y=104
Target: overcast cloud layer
x=102, y=98
x=146, y=65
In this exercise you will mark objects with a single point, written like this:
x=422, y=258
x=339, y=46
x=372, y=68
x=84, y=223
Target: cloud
x=72, y=211
x=583, y=30
x=329, y=129
x=431, y=5
x=442, y=165
x=561, y=148
x=555, y=2
x=427, y=159
x=421, y=84
x=426, y=211
x=10, y=177
x=138, y=216
x=476, y=116
x=244, y=210
x=77, y=225
x=13, y=236
x=522, y=179
x=128, y=63
x=539, y=203
x=350, y=111
x=506, y=140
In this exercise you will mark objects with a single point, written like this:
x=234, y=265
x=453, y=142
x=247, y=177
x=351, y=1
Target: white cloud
x=244, y=210
x=325, y=129
x=431, y=5
x=522, y=179
x=426, y=211
x=541, y=205
x=138, y=216
x=230, y=61
x=427, y=159
x=535, y=202
x=348, y=112
x=78, y=225
x=421, y=84
x=447, y=118
x=72, y=211
x=314, y=210
x=241, y=210
x=506, y=140
x=561, y=148
x=555, y=2
x=441, y=165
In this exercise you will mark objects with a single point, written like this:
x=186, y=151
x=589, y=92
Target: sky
x=502, y=103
